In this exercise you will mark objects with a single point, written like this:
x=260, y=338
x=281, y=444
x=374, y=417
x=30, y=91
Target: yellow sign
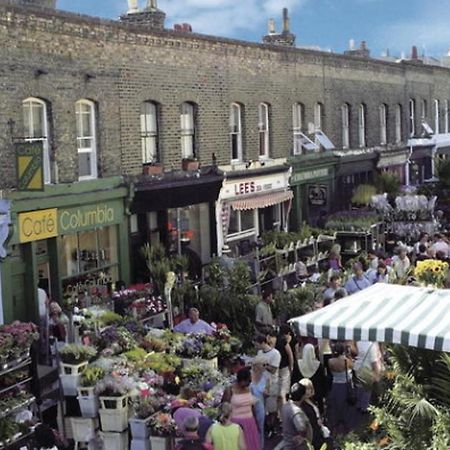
x=37, y=225
x=30, y=167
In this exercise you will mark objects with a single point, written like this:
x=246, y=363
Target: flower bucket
x=208, y=363
x=115, y=441
x=83, y=429
x=114, y=413
x=113, y=402
x=70, y=376
x=88, y=401
x=160, y=443
x=140, y=444
x=139, y=428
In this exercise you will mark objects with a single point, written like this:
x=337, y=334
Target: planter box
x=70, y=376
x=160, y=443
x=139, y=444
x=113, y=402
x=115, y=441
x=190, y=164
x=152, y=169
x=113, y=419
x=83, y=430
x=139, y=428
x=88, y=401
x=209, y=363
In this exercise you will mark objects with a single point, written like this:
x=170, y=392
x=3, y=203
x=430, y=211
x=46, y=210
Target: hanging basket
x=115, y=441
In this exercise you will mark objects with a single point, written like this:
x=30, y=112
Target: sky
x=329, y=24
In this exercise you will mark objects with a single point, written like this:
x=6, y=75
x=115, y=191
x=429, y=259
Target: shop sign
x=72, y=220
x=300, y=177
x=37, y=225
x=396, y=160
x=30, y=166
x=256, y=185
x=317, y=195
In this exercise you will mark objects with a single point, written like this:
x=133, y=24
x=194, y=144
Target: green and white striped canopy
x=414, y=316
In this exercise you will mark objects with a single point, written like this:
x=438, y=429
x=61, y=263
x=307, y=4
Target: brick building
x=203, y=117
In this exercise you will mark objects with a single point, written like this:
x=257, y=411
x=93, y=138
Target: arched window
x=263, y=129
x=297, y=127
x=436, y=116
x=345, y=114
x=86, y=139
x=149, y=132
x=236, y=132
x=36, y=129
x=398, y=124
x=383, y=124
x=412, y=117
x=187, y=121
x=362, y=125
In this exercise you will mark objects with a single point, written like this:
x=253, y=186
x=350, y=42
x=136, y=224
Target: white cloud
x=228, y=17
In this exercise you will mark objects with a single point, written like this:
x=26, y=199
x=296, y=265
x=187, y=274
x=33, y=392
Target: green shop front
x=70, y=240
x=313, y=183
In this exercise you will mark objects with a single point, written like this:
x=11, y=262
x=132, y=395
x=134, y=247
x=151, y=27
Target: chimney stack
x=285, y=21
x=362, y=51
x=414, y=54
x=271, y=27
x=363, y=45
x=285, y=38
x=132, y=6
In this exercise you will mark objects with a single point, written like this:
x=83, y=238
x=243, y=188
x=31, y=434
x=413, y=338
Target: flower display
x=16, y=339
x=432, y=272
x=115, y=386
x=76, y=354
x=162, y=424
x=114, y=340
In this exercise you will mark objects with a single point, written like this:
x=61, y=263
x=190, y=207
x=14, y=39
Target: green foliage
x=91, y=376
x=183, y=295
x=76, y=353
x=110, y=318
x=388, y=182
x=136, y=355
x=281, y=239
x=294, y=302
x=363, y=194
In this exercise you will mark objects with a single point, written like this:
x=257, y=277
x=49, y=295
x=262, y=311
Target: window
x=241, y=223
x=318, y=116
x=86, y=142
x=362, y=125
x=436, y=116
x=345, y=113
x=187, y=120
x=149, y=132
x=383, y=124
x=412, y=117
x=446, y=125
x=423, y=110
x=297, y=127
x=236, y=132
x=36, y=128
x=263, y=128
x=398, y=123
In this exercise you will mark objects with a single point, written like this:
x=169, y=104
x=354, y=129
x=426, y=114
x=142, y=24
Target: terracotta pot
x=152, y=169
x=190, y=164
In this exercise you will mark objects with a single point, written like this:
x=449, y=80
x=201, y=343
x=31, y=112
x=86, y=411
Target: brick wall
x=119, y=65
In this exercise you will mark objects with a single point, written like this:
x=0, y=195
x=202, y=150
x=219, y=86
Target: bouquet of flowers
x=114, y=340
x=162, y=424
x=432, y=272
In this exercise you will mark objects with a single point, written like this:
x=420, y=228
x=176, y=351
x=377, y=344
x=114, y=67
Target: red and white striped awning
x=262, y=201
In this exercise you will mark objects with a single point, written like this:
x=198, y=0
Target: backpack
x=192, y=444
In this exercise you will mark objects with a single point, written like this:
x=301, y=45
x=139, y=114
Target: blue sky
x=392, y=24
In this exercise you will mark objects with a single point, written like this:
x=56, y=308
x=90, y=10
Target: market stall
x=407, y=315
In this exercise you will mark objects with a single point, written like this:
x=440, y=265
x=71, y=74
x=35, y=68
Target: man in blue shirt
x=358, y=281
x=194, y=324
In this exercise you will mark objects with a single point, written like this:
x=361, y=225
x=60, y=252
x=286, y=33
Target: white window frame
x=83, y=138
x=33, y=135
x=318, y=113
x=236, y=133
x=241, y=234
x=398, y=124
x=383, y=124
x=297, y=128
x=263, y=130
x=446, y=118
x=423, y=110
x=187, y=130
x=437, y=118
x=345, y=118
x=362, y=125
x=149, y=131
x=412, y=117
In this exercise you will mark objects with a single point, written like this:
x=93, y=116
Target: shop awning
x=262, y=201
x=413, y=316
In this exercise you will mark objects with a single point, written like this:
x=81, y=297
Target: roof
x=413, y=316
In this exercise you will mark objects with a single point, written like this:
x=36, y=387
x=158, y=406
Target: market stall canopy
x=413, y=316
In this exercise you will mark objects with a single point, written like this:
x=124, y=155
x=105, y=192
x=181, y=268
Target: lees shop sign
x=48, y=223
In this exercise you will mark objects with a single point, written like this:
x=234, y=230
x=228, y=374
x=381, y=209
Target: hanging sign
x=30, y=166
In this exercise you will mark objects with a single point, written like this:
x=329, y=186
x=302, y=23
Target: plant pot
x=139, y=444
x=114, y=413
x=88, y=401
x=83, y=429
x=139, y=428
x=70, y=376
x=152, y=169
x=190, y=164
x=160, y=443
x=115, y=441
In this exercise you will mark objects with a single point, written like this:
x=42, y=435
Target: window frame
x=298, y=120
x=398, y=124
x=44, y=138
x=446, y=116
x=149, y=136
x=188, y=150
x=236, y=133
x=345, y=121
x=92, y=149
x=318, y=116
x=412, y=117
x=437, y=118
x=362, y=125
x=423, y=110
x=383, y=114
x=263, y=130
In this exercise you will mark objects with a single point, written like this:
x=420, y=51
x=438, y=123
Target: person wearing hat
x=297, y=430
x=358, y=281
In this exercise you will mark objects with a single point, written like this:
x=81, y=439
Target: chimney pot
x=285, y=20
x=363, y=45
x=414, y=54
x=271, y=26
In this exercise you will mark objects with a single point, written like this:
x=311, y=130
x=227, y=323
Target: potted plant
x=144, y=407
x=152, y=168
x=113, y=392
x=17, y=339
x=87, y=397
x=162, y=430
x=190, y=164
x=74, y=359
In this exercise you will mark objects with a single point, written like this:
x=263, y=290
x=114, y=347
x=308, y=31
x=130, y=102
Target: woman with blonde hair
x=226, y=435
